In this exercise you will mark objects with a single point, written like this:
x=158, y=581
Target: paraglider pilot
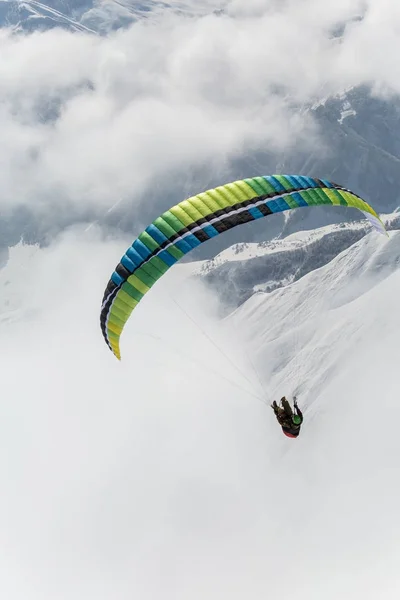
x=289, y=421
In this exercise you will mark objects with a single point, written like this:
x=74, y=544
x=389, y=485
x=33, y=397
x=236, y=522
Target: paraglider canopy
x=196, y=220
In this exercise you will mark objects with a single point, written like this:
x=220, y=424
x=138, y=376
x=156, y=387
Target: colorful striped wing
x=195, y=220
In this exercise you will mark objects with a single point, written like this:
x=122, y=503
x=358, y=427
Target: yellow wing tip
x=114, y=347
x=117, y=353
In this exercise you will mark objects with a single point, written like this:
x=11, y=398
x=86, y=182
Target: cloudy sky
x=88, y=121
x=156, y=477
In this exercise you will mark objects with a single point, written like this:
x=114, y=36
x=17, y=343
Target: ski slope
x=166, y=475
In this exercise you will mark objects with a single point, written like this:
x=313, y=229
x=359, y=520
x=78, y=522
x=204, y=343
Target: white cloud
x=175, y=93
x=100, y=461
x=155, y=477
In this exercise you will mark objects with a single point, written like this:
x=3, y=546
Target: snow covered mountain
x=99, y=17
x=363, y=135
x=321, y=307
x=31, y=16
x=247, y=268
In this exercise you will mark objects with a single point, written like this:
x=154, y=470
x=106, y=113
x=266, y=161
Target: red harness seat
x=289, y=434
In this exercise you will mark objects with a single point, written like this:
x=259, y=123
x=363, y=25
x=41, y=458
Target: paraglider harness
x=289, y=421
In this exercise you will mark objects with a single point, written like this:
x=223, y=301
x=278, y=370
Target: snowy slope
x=99, y=17
x=332, y=338
x=166, y=475
x=326, y=305
x=30, y=15
x=237, y=272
